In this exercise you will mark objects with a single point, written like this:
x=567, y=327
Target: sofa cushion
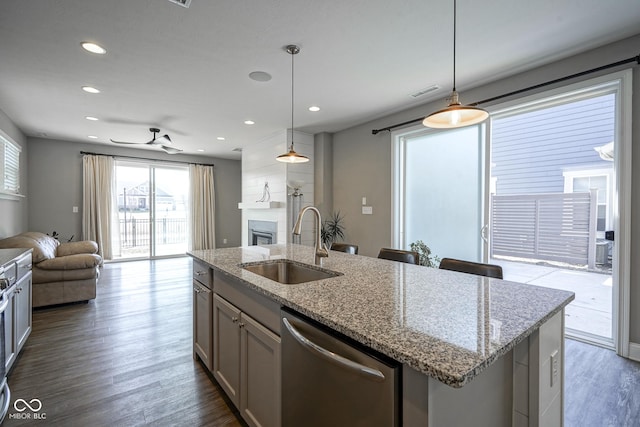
x=72, y=248
x=44, y=247
x=71, y=262
x=48, y=276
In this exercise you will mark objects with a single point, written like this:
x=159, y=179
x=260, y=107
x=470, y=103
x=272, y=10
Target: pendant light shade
x=291, y=156
x=455, y=115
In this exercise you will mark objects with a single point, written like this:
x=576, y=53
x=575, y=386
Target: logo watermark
x=28, y=410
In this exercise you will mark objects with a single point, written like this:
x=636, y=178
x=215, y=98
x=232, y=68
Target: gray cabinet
x=247, y=363
x=17, y=317
x=202, y=314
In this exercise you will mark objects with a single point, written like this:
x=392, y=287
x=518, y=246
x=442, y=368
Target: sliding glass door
x=439, y=191
x=152, y=210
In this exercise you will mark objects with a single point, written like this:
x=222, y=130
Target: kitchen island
x=474, y=350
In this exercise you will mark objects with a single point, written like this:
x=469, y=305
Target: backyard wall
x=55, y=177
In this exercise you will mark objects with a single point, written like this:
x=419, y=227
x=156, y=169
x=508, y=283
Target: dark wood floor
x=125, y=360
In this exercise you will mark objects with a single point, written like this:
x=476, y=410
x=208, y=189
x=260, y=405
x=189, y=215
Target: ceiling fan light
x=292, y=157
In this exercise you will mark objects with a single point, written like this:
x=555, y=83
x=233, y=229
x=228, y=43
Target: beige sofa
x=62, y=272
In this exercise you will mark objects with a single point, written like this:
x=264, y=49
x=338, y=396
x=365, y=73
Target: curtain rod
x=635, y=59
x=142, y=158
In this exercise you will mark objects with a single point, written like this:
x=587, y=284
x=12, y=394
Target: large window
x=9, y=167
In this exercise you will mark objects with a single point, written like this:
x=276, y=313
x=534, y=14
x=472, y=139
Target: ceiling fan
x=164, y=142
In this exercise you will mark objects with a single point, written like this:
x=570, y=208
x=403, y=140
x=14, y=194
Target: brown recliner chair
x=62, y=272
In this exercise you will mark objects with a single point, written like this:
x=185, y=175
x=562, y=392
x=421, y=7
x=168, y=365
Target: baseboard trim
x=634, y=351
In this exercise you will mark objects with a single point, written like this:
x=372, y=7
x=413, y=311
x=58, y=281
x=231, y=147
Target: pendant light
x=291, y=156
x=455, y=115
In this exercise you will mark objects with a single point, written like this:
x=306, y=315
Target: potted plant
x=426, y=258
x=332, y=229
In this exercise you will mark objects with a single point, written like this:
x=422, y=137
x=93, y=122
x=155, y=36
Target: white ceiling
x=186, y=70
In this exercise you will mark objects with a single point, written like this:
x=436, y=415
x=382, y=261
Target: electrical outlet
x=224, y=241
x=75, y=209
x=555, y=367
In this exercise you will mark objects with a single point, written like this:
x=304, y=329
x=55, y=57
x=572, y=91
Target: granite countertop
x=445, y=324
x=8, y=255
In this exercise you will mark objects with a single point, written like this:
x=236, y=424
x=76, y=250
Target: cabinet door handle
x=234, y=319
x=197, y=290
x=200, y=273
x=241, y=325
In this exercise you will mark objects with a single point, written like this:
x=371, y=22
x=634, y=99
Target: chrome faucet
x=320, y=249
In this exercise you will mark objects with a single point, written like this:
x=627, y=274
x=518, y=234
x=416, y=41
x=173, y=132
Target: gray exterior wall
x=55, y=176
x=362, y=161
x=530, y=151
x=14, y=213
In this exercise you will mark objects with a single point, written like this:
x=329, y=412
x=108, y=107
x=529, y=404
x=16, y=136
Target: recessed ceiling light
x=92, y=137
x=200, y=150
x=249, y=122
x=221, y=138
x=90, y=89
x=314, y=108
x=93, y=119
x=260, y=76
x=93, y=48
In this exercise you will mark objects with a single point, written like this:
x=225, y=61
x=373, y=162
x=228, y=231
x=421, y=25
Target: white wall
x=259, y=165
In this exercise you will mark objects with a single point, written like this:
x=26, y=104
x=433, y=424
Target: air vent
x=183, y=3
x=425, y=91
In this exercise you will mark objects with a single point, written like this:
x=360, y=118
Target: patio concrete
x=590, y=312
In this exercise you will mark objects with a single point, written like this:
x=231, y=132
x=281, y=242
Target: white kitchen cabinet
x=247, y=363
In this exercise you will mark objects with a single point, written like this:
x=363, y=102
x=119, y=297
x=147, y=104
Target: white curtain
x=202, y=207
x=98, y=187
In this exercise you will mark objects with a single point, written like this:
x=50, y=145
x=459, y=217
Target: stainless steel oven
x=6, y=281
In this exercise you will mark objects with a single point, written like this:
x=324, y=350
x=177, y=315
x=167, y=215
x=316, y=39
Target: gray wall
x=55, y=177
x=362, y=161
x=13, y=213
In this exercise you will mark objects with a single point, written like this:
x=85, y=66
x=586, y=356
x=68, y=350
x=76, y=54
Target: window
x=596, y=179
x=9, y=167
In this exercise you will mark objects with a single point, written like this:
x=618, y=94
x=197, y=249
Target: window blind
x=11, y=166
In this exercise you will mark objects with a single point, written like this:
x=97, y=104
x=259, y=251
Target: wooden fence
x=554, y=227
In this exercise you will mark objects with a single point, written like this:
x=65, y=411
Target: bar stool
x=478, y=268
x=345, y=247
x=409, y=257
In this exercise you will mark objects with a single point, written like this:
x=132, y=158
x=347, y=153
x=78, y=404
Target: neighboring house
x=563, y=148
x=137, y=198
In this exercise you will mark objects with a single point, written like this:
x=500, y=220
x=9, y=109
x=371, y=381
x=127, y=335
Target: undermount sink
x=288, y=272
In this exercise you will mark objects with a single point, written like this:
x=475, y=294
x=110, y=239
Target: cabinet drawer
x=202, y=273
x=24, y=266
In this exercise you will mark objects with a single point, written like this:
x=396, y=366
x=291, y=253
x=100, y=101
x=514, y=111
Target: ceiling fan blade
x=127, y=142
x=162, y=140
x=171, y=150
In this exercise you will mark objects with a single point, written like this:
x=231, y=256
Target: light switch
x=367, y=210
x=75, y=209
x=364, y=201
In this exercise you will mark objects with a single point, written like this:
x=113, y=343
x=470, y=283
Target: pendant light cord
x=293, y=53
x=454, y=45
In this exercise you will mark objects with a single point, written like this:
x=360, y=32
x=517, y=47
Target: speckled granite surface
x=448, y=325
x=8, y=255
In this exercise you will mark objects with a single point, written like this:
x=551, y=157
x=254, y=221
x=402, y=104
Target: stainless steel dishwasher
x=327, y=381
